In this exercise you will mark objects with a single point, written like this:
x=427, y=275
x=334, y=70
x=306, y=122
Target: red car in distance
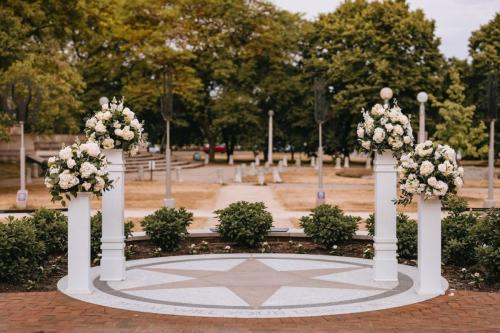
x=218, y=149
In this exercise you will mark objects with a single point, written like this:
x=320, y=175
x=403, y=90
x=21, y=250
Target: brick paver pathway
x=55, y=312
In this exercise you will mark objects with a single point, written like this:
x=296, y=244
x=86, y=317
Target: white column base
x=21, y=199
x=79, y=244
x=429, y=247
x=169, y=203
x=385, y=264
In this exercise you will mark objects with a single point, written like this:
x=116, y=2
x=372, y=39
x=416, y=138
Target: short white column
x=385, y=266
x=113, y=234
x=79, y=244
x=338, y=164
x=276, y=175
x=429, y=247
x=231, y=159
x=238, y=174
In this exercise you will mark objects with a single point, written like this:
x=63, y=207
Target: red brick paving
x=55, y=312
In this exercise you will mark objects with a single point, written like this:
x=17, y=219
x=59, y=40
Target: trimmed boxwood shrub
x=328, y=225
x=51, y=227
x=167, y=227
x=487, y=234
x=96, y=234
x=406, y=232
x=244, y=223
x=21, y=253
x=457, y=240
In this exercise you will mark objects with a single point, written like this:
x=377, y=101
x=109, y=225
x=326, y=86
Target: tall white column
x=113, y=235
x=270, y=139
x=79, y=244
x=22, y=194
x=429, y=247
x=385, y=266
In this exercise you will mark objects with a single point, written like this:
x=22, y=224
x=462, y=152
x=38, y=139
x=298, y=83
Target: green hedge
x=328, y=225
x=167, y=227
x=244, y=223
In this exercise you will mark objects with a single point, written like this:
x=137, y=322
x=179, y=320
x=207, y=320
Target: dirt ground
x=143, y=195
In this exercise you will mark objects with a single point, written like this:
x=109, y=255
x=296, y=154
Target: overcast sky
x=455, y=19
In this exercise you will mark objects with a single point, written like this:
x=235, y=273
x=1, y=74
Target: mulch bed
x=56, y=267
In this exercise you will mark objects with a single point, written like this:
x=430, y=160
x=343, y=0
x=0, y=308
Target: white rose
x=128, y=114
x=377, y=110
x=426, y=168
x=47, y=182
x=65, y=153
x=107, y=115
x=389, y=127
x=118, y=132
x=105, y=106
x=446, y=168
x=458, y=182
x=366, y=144
x=99, y=184
x=135, y=124
x=51, y=160
x=90, y=123
x=108, y=143
x=398, y=130
x=403, y=120
x=407, y=139
x=432, y=181
x=91, y=148
x=378, y=135
x=99, y=115
x=361, y=132
x=70, y=163
x=117, y=124
x=100, y=127
x=86, y=186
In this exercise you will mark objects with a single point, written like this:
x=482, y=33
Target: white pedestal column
x=79, y=244
x=429, y=247
x=113, y=238
x=385, y=266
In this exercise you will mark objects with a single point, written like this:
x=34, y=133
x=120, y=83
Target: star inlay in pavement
x=252, y=280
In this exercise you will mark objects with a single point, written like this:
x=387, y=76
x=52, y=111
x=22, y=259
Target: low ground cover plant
x=328, y=225
x=245, y=223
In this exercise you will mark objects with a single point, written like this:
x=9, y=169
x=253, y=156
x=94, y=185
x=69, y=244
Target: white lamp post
x=492, y=112
x=270, y=139
x=22, y=194
x=385, y=264
x=167, y=112
x=320, y=109
x=422, y=99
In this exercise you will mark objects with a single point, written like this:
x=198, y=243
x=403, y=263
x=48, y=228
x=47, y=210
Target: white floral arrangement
x=80, y=167
x=115, y=127
x=429, y=170
x=385, y=128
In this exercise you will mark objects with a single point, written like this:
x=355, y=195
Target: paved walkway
x=55, y=312
x=253, y=286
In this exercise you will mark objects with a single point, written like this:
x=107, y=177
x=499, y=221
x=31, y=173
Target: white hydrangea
x=426, y=168
x=424, y=149
x=48, y=183
x=366, y=144
x=65, y=153
x=458, y=182
x=100, y=127
x=86, y=186
x=71, y=163
x=67, y=180
x=407, y=139
x=360, y=132
x=446, y=168
x=87, y=169
x=128, y=114
x=398, y=130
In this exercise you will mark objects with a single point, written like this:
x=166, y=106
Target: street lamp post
x=22, y=194
x=422, y=98
x=320, y=115
x=167, y=113
x=492, y=113
x=270, y=139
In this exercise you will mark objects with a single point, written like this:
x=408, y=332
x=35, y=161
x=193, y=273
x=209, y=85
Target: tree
x=363, y=46
x=457, y=128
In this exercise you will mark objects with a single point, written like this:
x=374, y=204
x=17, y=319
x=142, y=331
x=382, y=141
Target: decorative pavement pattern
x=252, y=286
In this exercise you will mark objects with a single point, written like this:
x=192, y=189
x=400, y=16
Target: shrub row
x=26, y=243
